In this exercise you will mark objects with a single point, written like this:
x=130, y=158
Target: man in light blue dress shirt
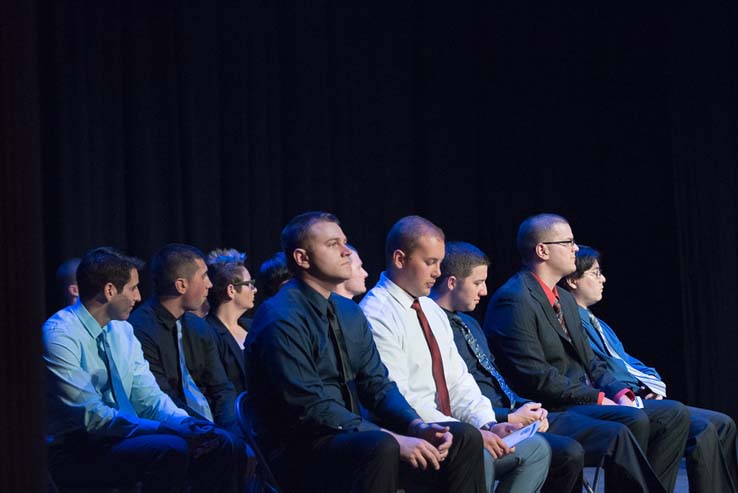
x=108, y=421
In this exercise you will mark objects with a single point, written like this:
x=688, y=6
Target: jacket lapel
x=540, y=297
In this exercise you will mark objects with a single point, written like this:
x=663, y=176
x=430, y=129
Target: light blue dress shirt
x=79, y=393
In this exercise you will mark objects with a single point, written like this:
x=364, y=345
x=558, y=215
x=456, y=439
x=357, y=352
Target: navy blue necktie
x=486, y=363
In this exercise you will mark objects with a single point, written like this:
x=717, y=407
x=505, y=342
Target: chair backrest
x=264, y=473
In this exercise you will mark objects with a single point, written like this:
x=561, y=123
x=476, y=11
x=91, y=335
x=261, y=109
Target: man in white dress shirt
x=416, y=344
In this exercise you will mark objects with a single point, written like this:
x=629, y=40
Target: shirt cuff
x=626, y=392
x=600, y=398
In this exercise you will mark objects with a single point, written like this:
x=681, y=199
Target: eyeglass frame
x=251, y=283
x=598, y=274
x=569, y=243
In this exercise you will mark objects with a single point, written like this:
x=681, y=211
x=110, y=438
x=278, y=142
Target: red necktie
x=436, y=362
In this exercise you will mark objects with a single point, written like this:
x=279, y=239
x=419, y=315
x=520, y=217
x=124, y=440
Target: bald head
x=405, y=234
x=534, y=230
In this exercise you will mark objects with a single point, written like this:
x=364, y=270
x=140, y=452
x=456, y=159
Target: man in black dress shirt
x=459, y=289
x=312, y=362
x=193, y=377
x=534, y=331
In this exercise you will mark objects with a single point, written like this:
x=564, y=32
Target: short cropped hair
x=295, y=234
x=104, y=265
x=172, y=262
x=586, y=257
x=272, y=274
x=406, y=232
x=532, y=231
x=461, y=257
x=223, y=271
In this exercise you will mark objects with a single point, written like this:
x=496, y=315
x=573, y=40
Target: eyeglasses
x=568, y=243
x=250, y=283
x=598, y=274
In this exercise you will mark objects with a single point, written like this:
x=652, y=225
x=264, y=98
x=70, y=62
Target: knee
x=385, y=447
x=466, y=435
x=569, y=453
x=173, y=453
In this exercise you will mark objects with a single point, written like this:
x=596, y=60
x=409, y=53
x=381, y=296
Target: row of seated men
x=404, y=390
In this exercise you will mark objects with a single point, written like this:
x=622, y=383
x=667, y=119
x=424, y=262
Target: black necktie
x=344, y=368
x=486, y=363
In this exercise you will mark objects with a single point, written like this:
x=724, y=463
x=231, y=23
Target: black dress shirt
x=231, y=355
x=156, y=329
x=488, y=384
x=294, y=377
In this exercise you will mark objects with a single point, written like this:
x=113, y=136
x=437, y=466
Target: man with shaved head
x=415, y=340
x=535, y=333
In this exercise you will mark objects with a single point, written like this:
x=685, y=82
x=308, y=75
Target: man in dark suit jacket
x=534, y=330
x=194, y=378
x=575, y=439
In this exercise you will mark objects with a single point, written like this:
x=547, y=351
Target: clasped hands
x=425, y=445
x=201, y=435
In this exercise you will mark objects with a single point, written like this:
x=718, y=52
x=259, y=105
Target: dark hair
x=405, y=233
x=461, y=257
x=586, y=257
x=295, y=233
x=272, y=274
x=531, y=232
x=223, y=271
x=104, y=265
x=172, y=262
x=66, y=274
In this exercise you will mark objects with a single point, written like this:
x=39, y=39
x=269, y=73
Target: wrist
x=488, y=426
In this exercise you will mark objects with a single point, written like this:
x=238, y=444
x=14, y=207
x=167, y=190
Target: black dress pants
x=369, y=462
x=162, y=463
x=660, y=428
x=567, y=461
x=711, y=455
x=625, y=464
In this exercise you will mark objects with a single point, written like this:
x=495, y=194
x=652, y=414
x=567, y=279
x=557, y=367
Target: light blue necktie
x=194, y=397
x=116, y=383
x=650, y=381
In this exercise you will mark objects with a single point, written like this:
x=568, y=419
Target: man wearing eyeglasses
x=710, y=454
x=535, y=332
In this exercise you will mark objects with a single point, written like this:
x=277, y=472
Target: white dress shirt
x=404, y=351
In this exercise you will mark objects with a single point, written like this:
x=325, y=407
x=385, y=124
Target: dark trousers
x=369, y=462
x=711, y=456
x=625, y=463
x=162, y=463
x=567, y=461
x=660, y=428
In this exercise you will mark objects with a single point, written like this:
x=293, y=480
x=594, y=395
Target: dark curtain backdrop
x=140, y=123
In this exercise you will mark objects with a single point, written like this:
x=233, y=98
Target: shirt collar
x=164, y=315
x=87, y=320
x=314, y=298
x=403, y=297
x=551, y=294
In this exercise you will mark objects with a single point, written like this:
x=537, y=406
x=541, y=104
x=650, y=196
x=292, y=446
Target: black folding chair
x=266, y=481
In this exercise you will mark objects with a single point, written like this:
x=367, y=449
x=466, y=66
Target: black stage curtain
x=214, y=122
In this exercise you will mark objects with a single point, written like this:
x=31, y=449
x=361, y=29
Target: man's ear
x=398, y=259
x=180, y=285
x=542, y=251
x=301, y=258
x=451, y=283
x=73, y=290
x=109, y=290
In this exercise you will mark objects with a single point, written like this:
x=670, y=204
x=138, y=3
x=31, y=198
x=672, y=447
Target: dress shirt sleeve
x=73, y=392
x=284, y=351
x=388, y=339
x=512, y=328
x=467, y=402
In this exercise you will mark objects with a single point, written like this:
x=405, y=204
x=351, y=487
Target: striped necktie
x=486, y=363
x=650, y=381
